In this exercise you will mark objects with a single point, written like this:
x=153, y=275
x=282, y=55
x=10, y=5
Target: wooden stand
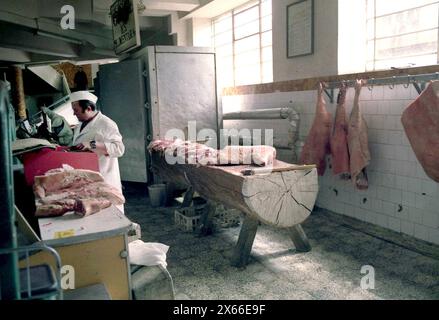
x=282, y=196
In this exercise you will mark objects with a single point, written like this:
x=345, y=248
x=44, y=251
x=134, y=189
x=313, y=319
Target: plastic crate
x=188, y=219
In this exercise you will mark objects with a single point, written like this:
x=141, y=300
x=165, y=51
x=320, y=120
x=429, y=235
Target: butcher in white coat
x=98, y=133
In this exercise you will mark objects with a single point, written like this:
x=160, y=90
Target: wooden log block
x=283, y=197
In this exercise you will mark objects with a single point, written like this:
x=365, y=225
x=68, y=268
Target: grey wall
x=324, y=60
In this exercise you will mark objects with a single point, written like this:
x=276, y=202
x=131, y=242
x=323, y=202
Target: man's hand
x=93, y=146
x=85, y=146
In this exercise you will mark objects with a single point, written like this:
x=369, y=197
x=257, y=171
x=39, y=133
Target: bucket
x=157, y=194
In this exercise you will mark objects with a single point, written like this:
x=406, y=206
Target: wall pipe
x=261, y=114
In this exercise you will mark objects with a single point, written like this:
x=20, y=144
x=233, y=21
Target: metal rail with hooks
x=418, y=81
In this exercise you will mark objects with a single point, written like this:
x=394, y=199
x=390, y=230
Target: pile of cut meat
x=82, y=191
x=186, y=152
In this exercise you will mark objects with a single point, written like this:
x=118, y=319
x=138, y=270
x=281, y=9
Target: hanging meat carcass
x=358, y=143
x=421, y=124
x=339, y=139
x=317, y=144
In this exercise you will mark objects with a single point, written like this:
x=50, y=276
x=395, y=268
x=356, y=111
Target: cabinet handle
x=124, y=254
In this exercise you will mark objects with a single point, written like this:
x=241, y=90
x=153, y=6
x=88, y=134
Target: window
x=401, y=33
x=243, y=45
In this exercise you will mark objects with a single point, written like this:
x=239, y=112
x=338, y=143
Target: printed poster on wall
x=300, y=28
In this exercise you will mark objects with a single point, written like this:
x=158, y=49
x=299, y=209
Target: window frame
x=234, y=39
x=371, y=61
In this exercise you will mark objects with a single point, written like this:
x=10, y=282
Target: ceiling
x=31, y=33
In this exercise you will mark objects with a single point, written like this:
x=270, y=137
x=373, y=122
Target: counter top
x=71, y=228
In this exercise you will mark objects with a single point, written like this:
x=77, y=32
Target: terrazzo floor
x=403, y=267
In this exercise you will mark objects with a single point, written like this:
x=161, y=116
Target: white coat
x=103, y=129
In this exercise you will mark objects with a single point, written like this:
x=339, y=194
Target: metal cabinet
x=154, y=90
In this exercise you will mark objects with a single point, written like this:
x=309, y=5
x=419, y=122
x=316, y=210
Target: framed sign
x=125, y=22
x=300, y=28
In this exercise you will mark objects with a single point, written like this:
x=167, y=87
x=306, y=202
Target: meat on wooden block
x=257, y=155
x=317, y=144
x=339, y=139
x=421, y=124
x=358, y=143
x=179, y=151
x=186, y=152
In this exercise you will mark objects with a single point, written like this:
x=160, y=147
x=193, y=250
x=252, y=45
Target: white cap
x=83, y=95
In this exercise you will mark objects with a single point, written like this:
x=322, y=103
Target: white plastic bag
x=147, y=253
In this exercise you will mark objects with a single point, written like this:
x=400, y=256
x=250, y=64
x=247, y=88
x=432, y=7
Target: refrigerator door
x=185, y=91
x=123, y=98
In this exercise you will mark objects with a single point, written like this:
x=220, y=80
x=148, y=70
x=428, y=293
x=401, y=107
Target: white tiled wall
x=400, y=196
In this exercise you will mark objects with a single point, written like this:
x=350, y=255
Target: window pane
x=224, y=51
x=266, y=23
x=247, y=30
x=246, y=16
x=266, y=7
x=246, y=58
x=370, y=7
x=226, y=79
x=267, y=53
x=406, y=62
x=248, y=75
x=238, y=37
x=246, y=6
x=267, y=39
x=224, y=66
x=370, y=27
x=389, y=6
x=419, y=19
x=370, y=50
x=267, y=71
x=223, y=24
x=247, y=44
x=407, y=45
x=370, y=66
x=406, y=33
x=223, y=38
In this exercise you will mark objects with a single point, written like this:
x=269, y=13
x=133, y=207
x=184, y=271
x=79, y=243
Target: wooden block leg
x=245, y=242
x=206, y=226
x=299, y=238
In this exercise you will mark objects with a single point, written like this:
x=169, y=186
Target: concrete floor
x=404, y=267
